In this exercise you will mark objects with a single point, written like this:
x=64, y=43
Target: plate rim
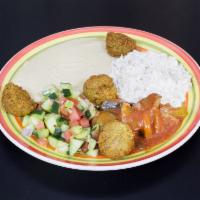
x=93, y=167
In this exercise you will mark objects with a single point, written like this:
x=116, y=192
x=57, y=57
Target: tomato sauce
x=151, y=122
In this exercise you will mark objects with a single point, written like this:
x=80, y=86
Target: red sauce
x=152, y=122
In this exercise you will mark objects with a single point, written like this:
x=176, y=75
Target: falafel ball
x=116, y=140
x=102, y=118
x=118, y=44
x=99, y=88
x=17, y=101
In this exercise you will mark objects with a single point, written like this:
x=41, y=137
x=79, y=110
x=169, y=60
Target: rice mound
x=139, y=74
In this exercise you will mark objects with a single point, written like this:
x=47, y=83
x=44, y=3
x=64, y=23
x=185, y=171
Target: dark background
x=23, y=177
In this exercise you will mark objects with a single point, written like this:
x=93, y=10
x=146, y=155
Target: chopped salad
x=63, y=121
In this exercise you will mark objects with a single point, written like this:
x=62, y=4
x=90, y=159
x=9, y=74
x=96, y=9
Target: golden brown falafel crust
x=116, y=140
x=118, y=44
x=17, y=101
x=102, y=118
x=99, y=88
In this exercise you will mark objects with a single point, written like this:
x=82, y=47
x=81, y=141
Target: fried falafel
x=116, y=140
x=99, y=88
x=102, y=118
x=17, y=101
x=118, y=44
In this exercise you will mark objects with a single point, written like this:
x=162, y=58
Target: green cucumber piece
x=52, y=141
x=39, y=112
x=42, y=133
x=88, y=114
x=61, y=121
x=95, y=128
x=50, y=121
x=83, y=134
x=92, y=110
x=92, y=144
x=26, y=120
x=55, y=107
x=64, y=127
x=34, y=119
x=65, y=86
x=83, y=104
x=76, y=129
x=57, y=132
x=47, y=105
x=67, y=92
x=53, y=96
x=51, y=93
x=92, y=153
x=75, y=145
x=62, y=147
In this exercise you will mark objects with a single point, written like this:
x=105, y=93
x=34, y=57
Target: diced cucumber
x=53, y=96
x=26, y=120
x=92, y=144
x=57, y=133
x=51, y=121
x=95, y=128
x=39, y=115
x=67, y=92
x=92, y=110
x=76, y=129
x=53, y=141
x=55, y=107
x=83, y=134
x=47, y=105
x=51, y=92
x=61, y=121
x=75, y=145
x=42, y=133
x=65, y=86
x=83, y=104
x=64, y=127
x=62, y=147
x=92, y=153
x=35, y=119
x=88, y=114
x=69, y=104
x=39, y=112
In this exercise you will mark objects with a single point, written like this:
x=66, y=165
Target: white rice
x=139, y=74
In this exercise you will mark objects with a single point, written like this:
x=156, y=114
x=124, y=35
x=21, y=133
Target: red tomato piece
x=74, y=123
x=62, y=100
x=67, y=135
x=40, y=125
x=75, y=101
x=64, y=112
x=84, y=122
x=74, y=115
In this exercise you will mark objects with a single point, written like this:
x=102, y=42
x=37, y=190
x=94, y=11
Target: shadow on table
x=100, y=184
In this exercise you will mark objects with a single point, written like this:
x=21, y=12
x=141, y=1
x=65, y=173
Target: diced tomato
x=75, y=115
x=40, y=125
x=42, y=141
x=74, y=123
x=62, y=100
x=84, y=122
x=67, y=135
x=75, y=101
x=64, y=112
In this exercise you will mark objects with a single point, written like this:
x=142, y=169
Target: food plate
x=11, y=126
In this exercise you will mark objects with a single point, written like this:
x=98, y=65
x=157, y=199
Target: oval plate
x=11, y=126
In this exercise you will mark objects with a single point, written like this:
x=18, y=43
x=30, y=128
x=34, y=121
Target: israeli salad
x=63, y=121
